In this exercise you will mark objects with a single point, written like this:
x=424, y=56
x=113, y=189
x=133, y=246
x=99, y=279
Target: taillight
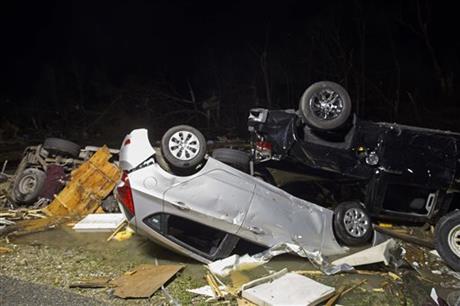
x=263, y=146
x=125, y=195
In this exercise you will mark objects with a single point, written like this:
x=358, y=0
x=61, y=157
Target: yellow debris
x=124, y=235
x=89, y=184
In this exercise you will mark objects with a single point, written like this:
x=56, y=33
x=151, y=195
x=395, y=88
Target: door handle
x=256, y=230
x=180, y=205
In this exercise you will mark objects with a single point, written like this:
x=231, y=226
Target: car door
x=217, y=198
x=276, y=216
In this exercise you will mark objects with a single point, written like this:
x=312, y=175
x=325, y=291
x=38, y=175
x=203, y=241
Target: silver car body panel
x=225, y=198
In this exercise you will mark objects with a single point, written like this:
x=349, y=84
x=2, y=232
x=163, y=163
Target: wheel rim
x=356, y=222
x=27, y=184
x=454, y=240
x=184, y=145
x=326, y=104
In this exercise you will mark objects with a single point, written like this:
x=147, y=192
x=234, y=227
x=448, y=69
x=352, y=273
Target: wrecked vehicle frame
x=206, y=213
x=399, y=172
x=44, y=169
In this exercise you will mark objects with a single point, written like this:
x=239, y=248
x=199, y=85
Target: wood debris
x=100, y=282
x=144, y=281
x=212, y=282
x=89, y=184
x=341, y=292
x=5, y=250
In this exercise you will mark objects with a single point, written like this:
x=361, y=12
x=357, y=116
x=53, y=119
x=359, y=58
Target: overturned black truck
x=367, y=170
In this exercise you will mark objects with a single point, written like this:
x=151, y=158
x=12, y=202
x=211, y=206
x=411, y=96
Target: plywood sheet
x=144, y=280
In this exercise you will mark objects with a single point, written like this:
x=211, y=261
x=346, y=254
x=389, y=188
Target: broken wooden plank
x=99, y=282
x=89, y=184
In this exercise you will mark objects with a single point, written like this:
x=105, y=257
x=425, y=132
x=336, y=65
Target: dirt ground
x=60, y=257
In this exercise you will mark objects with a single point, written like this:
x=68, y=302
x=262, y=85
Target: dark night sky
x=80, y=55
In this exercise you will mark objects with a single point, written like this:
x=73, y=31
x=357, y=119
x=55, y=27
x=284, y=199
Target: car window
x=194, y=236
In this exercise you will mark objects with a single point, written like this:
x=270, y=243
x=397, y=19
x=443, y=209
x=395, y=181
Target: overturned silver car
x=202, y=208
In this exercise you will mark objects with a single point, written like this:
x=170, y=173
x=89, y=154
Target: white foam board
x=99, y=223
x=288, y=289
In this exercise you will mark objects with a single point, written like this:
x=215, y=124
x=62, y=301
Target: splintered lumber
x=89, y=184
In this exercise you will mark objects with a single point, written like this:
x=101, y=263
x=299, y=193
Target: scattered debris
x=405, y=237
x=144, y=280
x=378, y=253
x=124, y=235
x=341, y=292
x=117, y=230
x=89, y=184
x=4, y=250
x=223, y=267
x=206, y=291
x=100, y=282
x=212, y=282
x=100, y=223
x=283, y=288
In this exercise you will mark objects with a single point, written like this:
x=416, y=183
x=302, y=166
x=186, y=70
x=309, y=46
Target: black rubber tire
x=35, y=177
x=441, y=242
x=341, y=233
x=176, y=163
x=311, y=119
x=57, y=146
x=110, y=204
x=235, y=158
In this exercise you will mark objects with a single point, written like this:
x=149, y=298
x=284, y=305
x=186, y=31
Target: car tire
x=446, y=232
x=57, y=146
x=352, y=224
x=332, y=114
x=110, y=204
x=27, y=186
x=235, y=158
x=183, y=147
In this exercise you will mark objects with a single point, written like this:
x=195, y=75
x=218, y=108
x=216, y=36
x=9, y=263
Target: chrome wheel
x=454, y=240
x=184, y=145
x=27, y=184
x=356, y=222
x=326, y=104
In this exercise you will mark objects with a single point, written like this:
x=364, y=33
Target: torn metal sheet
x=315, y=257
x=224, y=266
x=283, y=288
x=143, y=281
